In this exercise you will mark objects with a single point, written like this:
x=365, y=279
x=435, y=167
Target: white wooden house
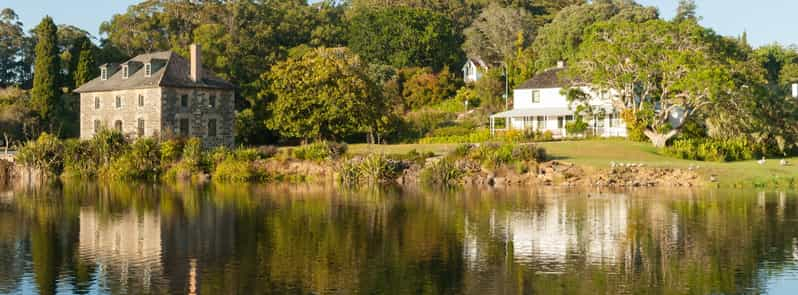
x=540, y=105
x=473, y=70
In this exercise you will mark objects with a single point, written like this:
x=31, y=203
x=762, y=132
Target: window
x=560, y=122
x=541, y=122
x=184, y=127
x=103, y=73
x=118, y=125
x=147, y=70
x=535, y=96
x=125, y=72
x=212, y=101
x=118, y=102
x=212, y=127
x=184, y=100
x=97, y=126
x=140, y=128
x=141, y=100
x=569, y=118
x=96, y=102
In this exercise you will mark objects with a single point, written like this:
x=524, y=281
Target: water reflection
x=232, y=239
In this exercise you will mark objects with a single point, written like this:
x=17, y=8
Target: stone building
x=159, y=94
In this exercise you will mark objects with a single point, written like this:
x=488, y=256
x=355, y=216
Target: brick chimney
x=196, y=63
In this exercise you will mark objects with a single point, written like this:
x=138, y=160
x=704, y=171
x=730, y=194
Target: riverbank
x=598, y=155
x=588, y=163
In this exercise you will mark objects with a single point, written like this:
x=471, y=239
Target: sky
x=766, y=21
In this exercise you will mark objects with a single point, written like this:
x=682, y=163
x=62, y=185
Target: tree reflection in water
x=222, y=239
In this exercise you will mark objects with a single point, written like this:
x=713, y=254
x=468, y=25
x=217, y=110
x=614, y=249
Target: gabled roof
x=173, y=72
x=478, y=62
x=550, y=78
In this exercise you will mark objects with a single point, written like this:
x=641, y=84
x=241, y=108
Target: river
x=82, y=238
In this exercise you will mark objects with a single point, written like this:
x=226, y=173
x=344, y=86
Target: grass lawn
x=599, y=154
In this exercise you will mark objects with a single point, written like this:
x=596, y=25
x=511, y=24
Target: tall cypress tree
x=45, y=93
x=86, y=68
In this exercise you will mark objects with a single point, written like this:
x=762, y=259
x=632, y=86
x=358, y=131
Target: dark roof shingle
x=174, y=73
x=550, y=78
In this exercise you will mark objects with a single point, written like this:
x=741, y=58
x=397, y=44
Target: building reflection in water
x=126, y=247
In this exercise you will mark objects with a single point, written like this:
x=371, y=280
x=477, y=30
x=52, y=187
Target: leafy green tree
x=86, y=68
x=493, y=35
x=45, y=93
x=12, y=40
x=70, y=40
x=325, y=94
x=405, y=37
x=424, y=87
x=673, y=65
x=686, y=11
x=560, y=39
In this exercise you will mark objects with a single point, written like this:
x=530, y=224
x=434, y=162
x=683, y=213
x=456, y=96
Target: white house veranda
x=554, y=120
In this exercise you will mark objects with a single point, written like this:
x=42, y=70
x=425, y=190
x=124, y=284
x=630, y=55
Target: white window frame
x=97, y=103
x=103, y=73
x=535, y=96
x=125, y=72
x=141, y=101
x=148, y=70
x=118, y=101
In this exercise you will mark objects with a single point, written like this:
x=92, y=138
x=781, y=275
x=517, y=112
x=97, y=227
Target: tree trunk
x=660, y=139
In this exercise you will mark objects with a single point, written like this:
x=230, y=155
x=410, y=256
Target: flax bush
x=443, y=172
x=45, y=153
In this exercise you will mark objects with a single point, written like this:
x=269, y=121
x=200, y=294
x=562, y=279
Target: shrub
x=141, y=161
x=528, y=152
x=171, y=151
x=576, y=127
x=234, y=170
x=473, y=137
x=45, y=153
x=493, y=155
x=707, y=149
x=462, y=150
x=80, y=160
x=320, y=151
x=547, y=136
x=450, y=131
x=107, y=145
x=423, y=121
x=376, y=168
x=442, y=172
x=350, y=173
x=192, y=151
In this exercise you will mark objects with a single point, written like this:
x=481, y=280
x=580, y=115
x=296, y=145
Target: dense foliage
x=325, y=94
x=389, y=71
x=404, y=37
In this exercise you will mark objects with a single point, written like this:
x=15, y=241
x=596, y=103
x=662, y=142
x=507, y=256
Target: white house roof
x=534, y=112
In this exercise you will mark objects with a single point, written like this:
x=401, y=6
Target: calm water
x=126, y=239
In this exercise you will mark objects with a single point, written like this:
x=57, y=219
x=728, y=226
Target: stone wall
x=129, y=112
x=199, y=112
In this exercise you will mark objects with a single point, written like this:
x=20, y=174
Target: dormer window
x=125, y=72
x=148, y=70
x=103, y=73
